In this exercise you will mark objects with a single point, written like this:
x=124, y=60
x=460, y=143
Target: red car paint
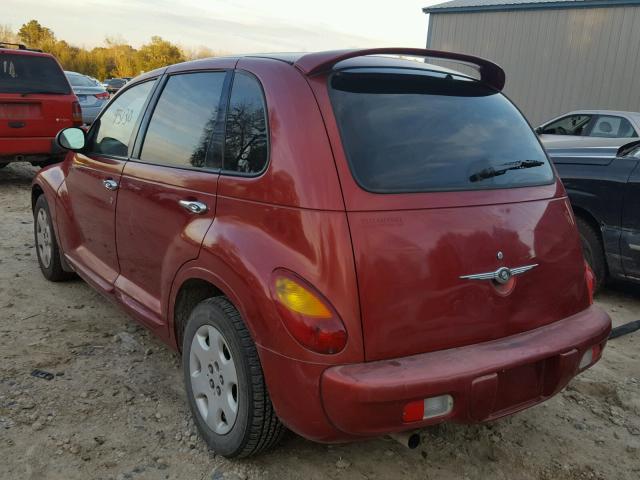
x=389, y=264
x=29, y=122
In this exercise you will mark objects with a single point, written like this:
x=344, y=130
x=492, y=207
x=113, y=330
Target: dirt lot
x=116, y=407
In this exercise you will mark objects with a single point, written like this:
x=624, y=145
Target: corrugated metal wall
x=555, y=60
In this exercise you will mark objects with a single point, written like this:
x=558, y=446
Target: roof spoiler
x=627, y=147
x=321, y=62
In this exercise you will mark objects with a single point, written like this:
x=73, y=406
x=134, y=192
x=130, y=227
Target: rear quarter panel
x=291, y=216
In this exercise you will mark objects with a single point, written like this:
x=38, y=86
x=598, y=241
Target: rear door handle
x=193, y=206
x=110, y=184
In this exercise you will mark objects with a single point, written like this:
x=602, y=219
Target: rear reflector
x=428, y=408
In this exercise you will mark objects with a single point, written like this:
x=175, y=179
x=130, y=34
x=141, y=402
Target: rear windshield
x=31, y=74
x=419, y=131
x=80, y=80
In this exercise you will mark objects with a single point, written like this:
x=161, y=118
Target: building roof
x=464, y=6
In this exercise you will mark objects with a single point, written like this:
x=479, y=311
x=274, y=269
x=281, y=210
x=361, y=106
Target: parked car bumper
x=31, y=149
x=486, y=381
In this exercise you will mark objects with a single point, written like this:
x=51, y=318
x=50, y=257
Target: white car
x=590, y=128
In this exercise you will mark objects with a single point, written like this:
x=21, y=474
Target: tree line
x=115, y=59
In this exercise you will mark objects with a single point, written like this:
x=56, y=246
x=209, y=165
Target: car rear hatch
x=444, y=181
x=35, y=97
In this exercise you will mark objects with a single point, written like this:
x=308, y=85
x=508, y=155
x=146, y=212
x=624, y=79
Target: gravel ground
x=116, y=407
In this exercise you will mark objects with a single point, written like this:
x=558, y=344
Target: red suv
x=342, y=243
x=36, y=101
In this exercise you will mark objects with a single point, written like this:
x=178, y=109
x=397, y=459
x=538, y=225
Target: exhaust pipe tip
x=410, y=439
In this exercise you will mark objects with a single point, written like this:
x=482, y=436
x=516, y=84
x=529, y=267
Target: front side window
x=576, y=125
x=111, y=133
x=183, y=122
x=428, y=131
x=21, y=73
x=246, y=145
x=609, y=126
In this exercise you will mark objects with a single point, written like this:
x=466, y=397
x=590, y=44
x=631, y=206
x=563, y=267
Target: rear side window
x=246, y=146
x=184, y=120
x=609, y=126
x=111, y=133
x=427, y=131
x=31, y=74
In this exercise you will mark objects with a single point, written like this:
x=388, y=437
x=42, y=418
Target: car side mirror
x=72, y=138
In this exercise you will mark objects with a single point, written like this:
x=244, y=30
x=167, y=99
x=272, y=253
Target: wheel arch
x=36, y=191
x=588, y=217
x=191, y=285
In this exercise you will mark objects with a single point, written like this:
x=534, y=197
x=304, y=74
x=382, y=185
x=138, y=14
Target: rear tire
x=593, y=251
x=46, y=243
x=225, y=385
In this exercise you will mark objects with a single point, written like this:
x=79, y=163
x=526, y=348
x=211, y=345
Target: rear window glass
x=408, y=131
x=80, y=80
x=31, y=74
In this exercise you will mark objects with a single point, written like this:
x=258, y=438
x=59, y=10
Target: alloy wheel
x=43, y=238
x=214, y=379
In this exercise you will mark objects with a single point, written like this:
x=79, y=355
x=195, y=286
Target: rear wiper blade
x=495, y=172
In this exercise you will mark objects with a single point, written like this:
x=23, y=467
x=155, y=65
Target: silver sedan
x=91, y=95
x=590, y=128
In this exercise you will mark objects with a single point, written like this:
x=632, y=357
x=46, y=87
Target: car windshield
x=418, y=131
x=31, y=74
x=77, y=80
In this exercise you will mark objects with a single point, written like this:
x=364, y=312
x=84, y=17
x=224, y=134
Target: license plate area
x=519, y=386
x=20, y=111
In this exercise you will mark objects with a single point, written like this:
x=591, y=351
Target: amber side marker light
x=307, y=315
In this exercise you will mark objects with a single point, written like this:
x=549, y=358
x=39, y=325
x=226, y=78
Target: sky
x=233, y=26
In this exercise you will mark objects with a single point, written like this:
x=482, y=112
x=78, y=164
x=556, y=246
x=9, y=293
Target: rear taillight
x=590, y=279
x=428, y=408
x=102, y=96
x=308, y=317
x=76, y=113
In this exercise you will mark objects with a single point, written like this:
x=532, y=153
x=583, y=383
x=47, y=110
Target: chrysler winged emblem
x=501, y=275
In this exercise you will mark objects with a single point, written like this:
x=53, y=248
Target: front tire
x=47, y=247
x=225, y=385
x=593, y=252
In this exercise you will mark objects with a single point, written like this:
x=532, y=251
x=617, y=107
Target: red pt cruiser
x=343, y=244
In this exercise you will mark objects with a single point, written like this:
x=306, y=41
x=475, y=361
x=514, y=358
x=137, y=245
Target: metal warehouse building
x=558, y=55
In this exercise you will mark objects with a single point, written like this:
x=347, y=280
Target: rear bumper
x=486, y=380
x=28, y=146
